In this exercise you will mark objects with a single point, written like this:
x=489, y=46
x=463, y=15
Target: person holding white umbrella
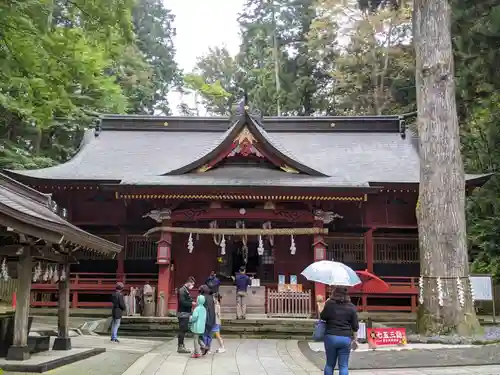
x=341, y=327
x=339, y=314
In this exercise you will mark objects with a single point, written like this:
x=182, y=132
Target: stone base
x=62, y=343
x=49, y=360
x=18, y=353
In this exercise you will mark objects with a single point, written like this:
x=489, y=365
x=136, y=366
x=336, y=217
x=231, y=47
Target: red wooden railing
x=88, y=283
x=103, y=283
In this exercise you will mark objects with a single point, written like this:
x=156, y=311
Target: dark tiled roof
x=30, y=212
x=143, y=150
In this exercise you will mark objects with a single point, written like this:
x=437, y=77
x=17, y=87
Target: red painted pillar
x=319, y=254
x=369, y=249
x=120, y=258
x=163, y=260
x=319, y=245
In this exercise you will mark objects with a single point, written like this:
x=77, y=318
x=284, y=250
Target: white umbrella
x=331, y=273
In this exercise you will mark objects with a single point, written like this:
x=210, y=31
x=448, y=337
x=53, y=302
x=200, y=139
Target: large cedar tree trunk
x=441, y=209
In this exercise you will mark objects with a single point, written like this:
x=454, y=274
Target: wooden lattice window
x=267, y=273
x=141, y=248
x=346, y=249
x=396, y=250
x=92, y=255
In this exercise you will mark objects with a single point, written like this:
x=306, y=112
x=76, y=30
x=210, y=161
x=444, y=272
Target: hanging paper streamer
x=293, y=249
x=473, y=296
x=55, y=275
x=267, y=225
x=45, y=276
x=5, y=270
x=461, y=294
x=38, y=272
x=63, y=274
x=51, y=274
x=421, y=290
x=440, y=292
x=190, y=243
x=260, y=249
x=223, y=245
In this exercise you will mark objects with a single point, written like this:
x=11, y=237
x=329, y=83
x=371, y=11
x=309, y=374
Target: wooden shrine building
x=273, y=193
x=34, y=229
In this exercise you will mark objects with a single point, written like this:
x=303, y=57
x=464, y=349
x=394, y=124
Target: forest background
x=63, y=62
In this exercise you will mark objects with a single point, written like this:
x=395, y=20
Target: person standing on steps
x=117, y=311
x=184, y=309
x=213, y=283
x=242, y=282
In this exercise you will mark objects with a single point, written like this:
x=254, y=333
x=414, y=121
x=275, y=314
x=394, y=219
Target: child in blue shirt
x=198, y=321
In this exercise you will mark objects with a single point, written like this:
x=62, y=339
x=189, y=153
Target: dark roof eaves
x=22, y=189
x=64, y=230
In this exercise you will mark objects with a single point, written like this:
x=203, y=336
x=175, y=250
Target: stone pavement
x=116, y=359
x=243, y=357
x=262, y=357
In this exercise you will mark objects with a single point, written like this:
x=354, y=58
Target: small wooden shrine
x=33, y=229
x=274, y=194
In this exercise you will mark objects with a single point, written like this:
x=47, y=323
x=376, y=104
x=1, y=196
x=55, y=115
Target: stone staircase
x=255, y=326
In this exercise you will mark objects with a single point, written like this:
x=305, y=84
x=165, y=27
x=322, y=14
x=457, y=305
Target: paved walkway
x=263, y=357
x=116, y=359
x=243, y=357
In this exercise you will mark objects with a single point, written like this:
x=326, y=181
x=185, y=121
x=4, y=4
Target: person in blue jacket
x=242, y=282
x=198, y=321
x=213, y=283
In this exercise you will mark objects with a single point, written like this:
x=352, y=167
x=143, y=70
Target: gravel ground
x=491, y=335
x=416, y=358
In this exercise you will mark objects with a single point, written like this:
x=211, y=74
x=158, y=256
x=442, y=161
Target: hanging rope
x=241, y=231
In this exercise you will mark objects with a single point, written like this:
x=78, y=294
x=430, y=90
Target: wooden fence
x=289, y=304
x=7, y=288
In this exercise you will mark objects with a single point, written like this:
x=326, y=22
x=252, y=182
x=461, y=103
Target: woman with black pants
x=341, y=330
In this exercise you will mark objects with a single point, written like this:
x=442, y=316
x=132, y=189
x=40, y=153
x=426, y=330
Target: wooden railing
x=289, y=304
x=88, y=283
x=100, y=281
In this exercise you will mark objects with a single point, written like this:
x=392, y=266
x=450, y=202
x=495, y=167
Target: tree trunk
x=441, y=210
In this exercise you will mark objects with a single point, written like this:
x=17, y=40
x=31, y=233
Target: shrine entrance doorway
x=237, y=256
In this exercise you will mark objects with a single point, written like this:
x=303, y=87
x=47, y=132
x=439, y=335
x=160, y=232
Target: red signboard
x=386, y=336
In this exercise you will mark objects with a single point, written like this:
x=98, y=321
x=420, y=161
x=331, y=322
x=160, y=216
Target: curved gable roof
x=248, y=127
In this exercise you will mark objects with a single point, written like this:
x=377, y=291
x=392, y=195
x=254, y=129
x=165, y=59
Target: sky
x=201, y=24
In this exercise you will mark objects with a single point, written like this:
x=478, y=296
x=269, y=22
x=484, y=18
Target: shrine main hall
x=188, y=195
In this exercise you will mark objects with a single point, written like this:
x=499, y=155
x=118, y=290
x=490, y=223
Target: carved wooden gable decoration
x=247, y=139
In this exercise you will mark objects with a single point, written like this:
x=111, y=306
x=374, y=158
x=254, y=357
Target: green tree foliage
x=216, y=81
x=274, y=34
x=61, y=64
x=154, y=30
x=374, y=70
x=475, y=28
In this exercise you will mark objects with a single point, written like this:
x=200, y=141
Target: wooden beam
x=295, y=216
x=241, y=231
x=19, y=351
x=38, y=252
x=63, y=341
x=30, y=230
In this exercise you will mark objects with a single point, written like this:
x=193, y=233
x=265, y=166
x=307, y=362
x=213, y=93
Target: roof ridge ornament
x=245, y=108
